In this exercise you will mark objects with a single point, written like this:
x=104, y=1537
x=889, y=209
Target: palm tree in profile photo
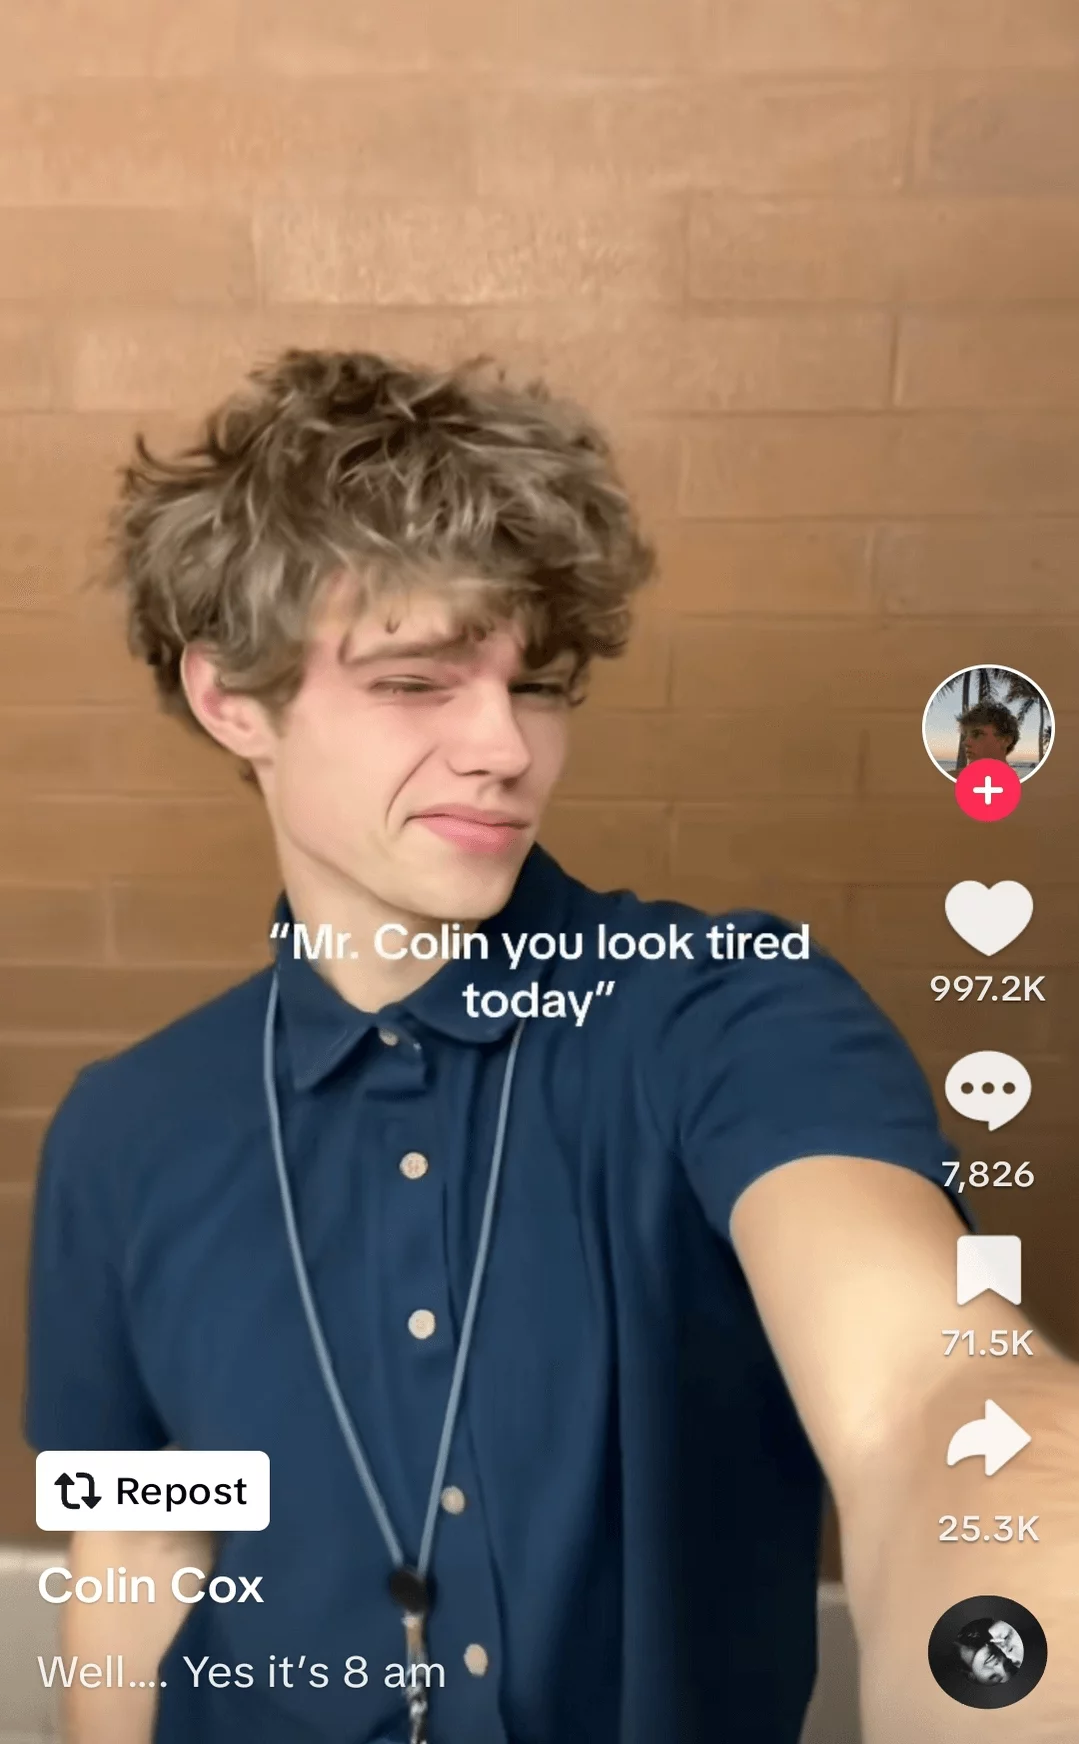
x=1022, y=697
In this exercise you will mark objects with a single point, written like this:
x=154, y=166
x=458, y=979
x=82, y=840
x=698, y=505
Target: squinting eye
x=404, y=687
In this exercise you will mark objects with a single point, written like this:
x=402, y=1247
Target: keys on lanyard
x=414, y=1593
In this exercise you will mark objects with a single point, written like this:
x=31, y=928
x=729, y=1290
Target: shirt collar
x=321, y=1027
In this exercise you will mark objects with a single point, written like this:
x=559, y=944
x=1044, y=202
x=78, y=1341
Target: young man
x=988, y=729
x=673, y=1198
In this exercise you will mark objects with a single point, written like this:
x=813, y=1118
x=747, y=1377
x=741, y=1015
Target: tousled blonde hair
x=327, y=463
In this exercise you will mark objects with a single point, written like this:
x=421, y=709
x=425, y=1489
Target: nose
x=488, y=739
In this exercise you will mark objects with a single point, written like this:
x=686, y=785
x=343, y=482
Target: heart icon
x=989, y=916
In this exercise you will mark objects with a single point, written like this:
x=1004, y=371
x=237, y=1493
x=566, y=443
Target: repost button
x=173, y=1490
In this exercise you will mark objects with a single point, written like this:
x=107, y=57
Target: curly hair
x=504, y=500
x=995, y=715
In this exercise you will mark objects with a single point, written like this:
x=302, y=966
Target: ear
x=239, y=723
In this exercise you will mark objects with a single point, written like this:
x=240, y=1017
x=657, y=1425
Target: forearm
x=140, y=1632
x=901, y=1577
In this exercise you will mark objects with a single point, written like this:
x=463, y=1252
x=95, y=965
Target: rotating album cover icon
x=987, y=1652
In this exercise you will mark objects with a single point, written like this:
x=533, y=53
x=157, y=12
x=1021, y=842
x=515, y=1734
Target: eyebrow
x=453, y=647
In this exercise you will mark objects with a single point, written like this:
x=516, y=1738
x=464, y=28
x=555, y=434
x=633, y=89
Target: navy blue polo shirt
x=630, y=1523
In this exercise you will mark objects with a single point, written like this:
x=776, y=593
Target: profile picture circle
x=987, y=1652
x=989, y=712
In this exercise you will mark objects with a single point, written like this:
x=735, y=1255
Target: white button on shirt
x=413, y=1165
x=453, y=1500
x=388, y=1036
x=476, y=1658
x=421, y=1324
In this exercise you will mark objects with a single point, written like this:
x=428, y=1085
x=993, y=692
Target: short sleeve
x=83, y=1388
x=785, y=1058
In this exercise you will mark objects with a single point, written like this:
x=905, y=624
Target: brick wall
x=816, y=262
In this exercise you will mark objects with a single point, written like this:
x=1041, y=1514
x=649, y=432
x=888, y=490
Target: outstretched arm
x=141, y=1633
x=852, y=1264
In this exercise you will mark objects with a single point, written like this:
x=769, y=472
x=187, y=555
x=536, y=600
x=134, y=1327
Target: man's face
x=983, y=741
x=417, y=772
x=1000, y=1658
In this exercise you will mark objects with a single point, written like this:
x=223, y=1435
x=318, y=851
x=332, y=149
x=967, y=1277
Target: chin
x=474, y=889
x=482, y=890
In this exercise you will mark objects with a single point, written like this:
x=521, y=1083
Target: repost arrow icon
x=64, y=1484
x=996, y=1436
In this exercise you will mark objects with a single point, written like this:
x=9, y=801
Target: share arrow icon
x=996, y=1436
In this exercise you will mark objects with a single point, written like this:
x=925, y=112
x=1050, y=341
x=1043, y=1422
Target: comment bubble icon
x=988, y=1086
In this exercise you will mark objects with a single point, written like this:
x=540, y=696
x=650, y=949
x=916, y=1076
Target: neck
x=319, y=898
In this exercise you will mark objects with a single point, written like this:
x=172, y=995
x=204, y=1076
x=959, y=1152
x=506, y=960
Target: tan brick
x=822, y=35
x=66, y=659
x=639, y=678
x=901, y=841
x=225, y=142
x=1005, y=135
x=16, y=1459
x=33, y=363
x=187, y=362
x=190, y=361
x=648, y=456
x=99, y=837
x=620, y=359
x=146, y=752
x=750, y=138
x=44, y=750
x=900, y=925
x=51, y=924
x=753, y=362
x=903, y=464
x=15, y=1205
x=915, y=250
x=1025, y=360
x=35, y=1075
x=40, y=565
x=68, y=39
x=61, y=255
x=308, y=38
x=611, y=847
x=759, y=362
x=1025, y=569
x=67, y=458
x=618, y=755
x=20, y=1146
x=835, y=665
x=476, y=253
x=763, y=568
x=205, y=38
x=752, y=753
x=617, y=359
x=119, y=1003
x=897, y=761
x=896, y=758
x=224, y=921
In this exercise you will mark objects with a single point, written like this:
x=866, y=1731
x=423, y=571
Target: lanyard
x=409, y=1586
